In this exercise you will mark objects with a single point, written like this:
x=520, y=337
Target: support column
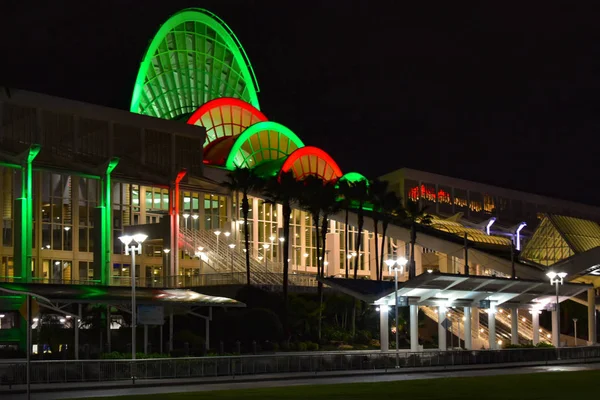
x=207, y=331
x=103, y=219
x=591, y=295
x=145, y=339
x=23, y=218
x=76, y=326
x=535, y=321
x=171, y=332
x=174, y=205
x=475, y=321
x=468, y=332
x=514, y=326
x=418, y=260
x=108, y=330
x=492, y=328
x=441, y=329
x=384, y=330
x=555, y=334
x=414, y=328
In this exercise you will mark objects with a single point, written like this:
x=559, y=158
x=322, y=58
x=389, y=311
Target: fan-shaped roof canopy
x=311, y=160
x=193, y=59
x=264, y=141
x=226, y=116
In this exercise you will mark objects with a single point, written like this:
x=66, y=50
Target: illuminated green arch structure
x=262, y=142
x=193, y=59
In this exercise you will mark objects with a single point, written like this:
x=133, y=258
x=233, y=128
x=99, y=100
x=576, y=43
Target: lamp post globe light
x=133, y=244
x=232, y=246
x=396, y=265
x=557, y=279
x=217, y=233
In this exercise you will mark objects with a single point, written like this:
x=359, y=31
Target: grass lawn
x=539, y=386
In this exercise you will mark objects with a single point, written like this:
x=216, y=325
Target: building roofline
x=409, y=173
x=93, y=111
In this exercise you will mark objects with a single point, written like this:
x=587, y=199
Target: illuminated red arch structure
x=311, y=160
x=226, y=116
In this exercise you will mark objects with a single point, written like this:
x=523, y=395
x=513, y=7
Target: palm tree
x=345, y=191
x=360, y=195
x=284, y=190
x=329, y=205
x=244, y=180
x=310, y=202
x=415, y=214
x=377, y=192
x=391, y=207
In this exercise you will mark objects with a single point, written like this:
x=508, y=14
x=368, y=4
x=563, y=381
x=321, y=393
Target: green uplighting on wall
x=194, y=58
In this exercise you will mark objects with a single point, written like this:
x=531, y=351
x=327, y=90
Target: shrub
x=363, y=337
x=544, y=345
x=310, y=346
x=345, y=347
x=375, y=343
x=302, y=346
x=285, y=345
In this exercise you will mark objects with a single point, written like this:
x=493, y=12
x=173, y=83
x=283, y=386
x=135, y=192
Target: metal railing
x=212, y=279
x=46, y=372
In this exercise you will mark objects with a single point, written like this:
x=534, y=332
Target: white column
x=535, y=320
x=514, y=325
x=591, y=295
x=555, y=328
x=467, y=328
x=384, y=330
x=492, y=328
x=414, y=327
x=418, y=260
x=475, y=321
x=441, y=329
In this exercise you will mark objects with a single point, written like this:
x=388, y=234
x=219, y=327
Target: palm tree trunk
x=324, y=222
x=385, y=226
x=287, y=213
x=245, y=212
x=346, y=241
x=358, y=240
x=413, y=238
x=375, y=232
x=320, y=284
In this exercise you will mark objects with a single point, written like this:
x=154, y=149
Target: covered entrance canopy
x=120, y=295
x=449, y=290
x=472, y=297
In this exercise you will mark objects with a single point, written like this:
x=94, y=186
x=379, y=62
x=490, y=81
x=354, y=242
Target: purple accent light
x=487, y=228
x=518, y=233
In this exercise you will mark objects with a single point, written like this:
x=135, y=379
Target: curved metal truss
x=193, y=59
x=262, y=142
x=226, y=116
x=311, y=160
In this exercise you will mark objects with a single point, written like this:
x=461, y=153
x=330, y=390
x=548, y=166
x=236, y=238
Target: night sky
x=507, y=96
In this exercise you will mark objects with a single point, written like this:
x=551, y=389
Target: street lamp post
x=217, y=233
x=232, y=246
x=166, y=251
x=185, y=218
x=1, y=316
x=557, y=279
x=575, y=323
x=395, y=265
x=136, y=246
x=266, y=247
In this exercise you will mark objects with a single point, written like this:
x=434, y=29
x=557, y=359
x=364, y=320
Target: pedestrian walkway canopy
x=450, y=290
x=120, y=295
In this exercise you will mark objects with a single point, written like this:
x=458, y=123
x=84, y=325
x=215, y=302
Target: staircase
x=223, y=259
x=503, y=326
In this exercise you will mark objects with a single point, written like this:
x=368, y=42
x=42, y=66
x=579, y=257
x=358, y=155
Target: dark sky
x=505, y=95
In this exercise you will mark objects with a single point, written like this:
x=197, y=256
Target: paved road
x=193, y=387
